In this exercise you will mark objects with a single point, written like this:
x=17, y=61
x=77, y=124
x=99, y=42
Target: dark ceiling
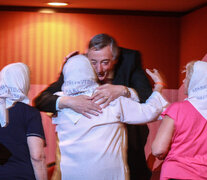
x=170, y=6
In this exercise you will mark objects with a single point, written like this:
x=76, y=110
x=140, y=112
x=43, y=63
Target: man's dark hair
x=100, y=41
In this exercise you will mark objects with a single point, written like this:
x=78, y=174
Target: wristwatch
x=126, y=92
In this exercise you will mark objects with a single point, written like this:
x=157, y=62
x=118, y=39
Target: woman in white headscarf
x=21, y=132
x=182, y=137
x=95, y=148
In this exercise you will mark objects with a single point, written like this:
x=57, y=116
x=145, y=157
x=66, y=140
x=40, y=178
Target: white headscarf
x=79, y=79
x=14, y=87
x=197, y=89
x=79, y=76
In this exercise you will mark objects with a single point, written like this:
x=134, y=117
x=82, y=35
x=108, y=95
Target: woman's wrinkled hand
x=157, y=78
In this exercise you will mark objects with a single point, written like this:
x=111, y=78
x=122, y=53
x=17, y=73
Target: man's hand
x=107, y=93
x=81, y=104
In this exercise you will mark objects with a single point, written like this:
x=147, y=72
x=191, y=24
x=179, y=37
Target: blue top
x=24, y=121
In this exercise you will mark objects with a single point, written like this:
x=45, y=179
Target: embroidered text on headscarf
x=84, y=86
x=197, y=90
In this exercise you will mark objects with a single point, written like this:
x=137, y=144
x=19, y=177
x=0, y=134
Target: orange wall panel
x=43, y=40
x=193, y=44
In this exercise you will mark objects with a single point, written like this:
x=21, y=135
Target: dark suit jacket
x=128, y=72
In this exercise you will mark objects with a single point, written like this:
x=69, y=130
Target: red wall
x=193, y=41
x=42, y=40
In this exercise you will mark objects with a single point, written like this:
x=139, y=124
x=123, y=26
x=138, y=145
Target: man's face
x=101, y=61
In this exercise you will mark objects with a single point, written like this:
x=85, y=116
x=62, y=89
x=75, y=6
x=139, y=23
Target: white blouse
x=95, y=148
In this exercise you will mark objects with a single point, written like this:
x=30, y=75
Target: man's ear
x=115, y=61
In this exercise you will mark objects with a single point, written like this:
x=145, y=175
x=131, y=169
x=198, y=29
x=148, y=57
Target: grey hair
x=100, y=41
x=189, y=69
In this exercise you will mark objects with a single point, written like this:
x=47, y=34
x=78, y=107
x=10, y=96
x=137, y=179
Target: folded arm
x=47, y=101
x=81, y=104
x=136, y=113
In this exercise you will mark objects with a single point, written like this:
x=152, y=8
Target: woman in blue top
x=21, y=133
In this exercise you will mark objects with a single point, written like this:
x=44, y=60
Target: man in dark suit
x=121, y=67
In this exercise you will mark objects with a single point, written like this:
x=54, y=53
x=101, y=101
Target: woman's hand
x=157, y=78
x=81, y=104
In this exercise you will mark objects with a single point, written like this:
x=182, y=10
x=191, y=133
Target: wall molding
x=94, y=11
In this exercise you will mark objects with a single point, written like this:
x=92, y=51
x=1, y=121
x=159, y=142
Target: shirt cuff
x=57, y=103
x=163, y=101
x=134, y=95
